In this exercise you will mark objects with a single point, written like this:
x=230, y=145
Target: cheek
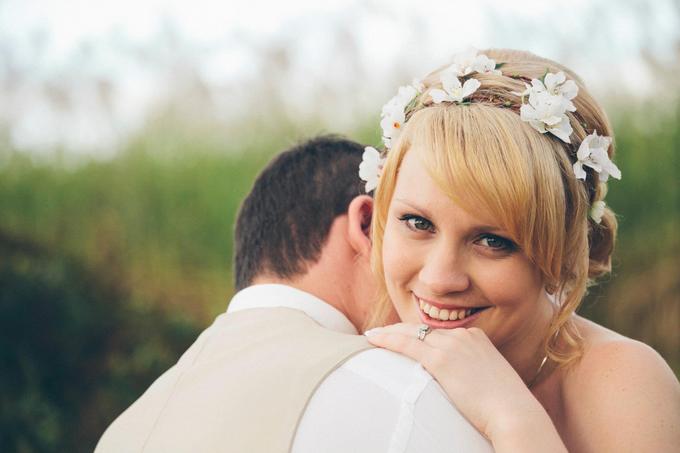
x=512, y=285
x=398, y=272
x=393, y=262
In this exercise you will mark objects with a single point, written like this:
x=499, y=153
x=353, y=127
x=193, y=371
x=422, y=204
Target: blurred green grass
x=115, y=266
x=167, y=221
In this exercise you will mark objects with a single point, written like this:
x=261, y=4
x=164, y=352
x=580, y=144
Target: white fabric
x=377, y=401
x=273, y=295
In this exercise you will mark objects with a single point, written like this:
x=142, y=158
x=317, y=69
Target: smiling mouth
x=446, y=314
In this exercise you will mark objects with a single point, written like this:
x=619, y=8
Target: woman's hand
x=479, y=381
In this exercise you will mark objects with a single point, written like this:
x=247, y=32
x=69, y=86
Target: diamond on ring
x=423, y=330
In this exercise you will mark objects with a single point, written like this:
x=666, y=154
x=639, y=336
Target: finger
x=409, y=330
x=404, y=328
x=407, y=345
x=440, y=338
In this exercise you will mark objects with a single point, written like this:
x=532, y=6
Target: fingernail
x=371, y=332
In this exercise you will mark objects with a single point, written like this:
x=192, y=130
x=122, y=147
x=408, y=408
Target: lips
x=446, y=316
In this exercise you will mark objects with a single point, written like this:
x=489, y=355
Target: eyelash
x=504, y=245
x=407, y=218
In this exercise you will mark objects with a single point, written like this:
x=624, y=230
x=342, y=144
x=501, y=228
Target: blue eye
x=496, y=242
x=417, y=223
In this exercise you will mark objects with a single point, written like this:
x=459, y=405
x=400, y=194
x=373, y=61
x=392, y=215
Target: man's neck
x=324, y=289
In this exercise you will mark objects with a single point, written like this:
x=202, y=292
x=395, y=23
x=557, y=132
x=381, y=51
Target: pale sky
x=65, y=45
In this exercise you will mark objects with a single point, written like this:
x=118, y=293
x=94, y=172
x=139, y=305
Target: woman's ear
x=359, y=215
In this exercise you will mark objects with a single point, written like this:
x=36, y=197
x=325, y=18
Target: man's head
x=306, y=223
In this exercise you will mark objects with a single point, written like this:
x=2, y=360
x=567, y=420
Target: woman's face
x=449, y=268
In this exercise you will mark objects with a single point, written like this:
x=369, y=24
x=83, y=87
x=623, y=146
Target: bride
x=489, y=225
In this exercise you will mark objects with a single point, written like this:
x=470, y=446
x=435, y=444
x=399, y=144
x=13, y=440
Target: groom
x=285, y=369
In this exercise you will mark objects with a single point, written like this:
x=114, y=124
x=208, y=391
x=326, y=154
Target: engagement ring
x=423, y=330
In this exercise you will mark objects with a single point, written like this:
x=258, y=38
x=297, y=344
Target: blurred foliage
x=109, y=269
x=74, y=350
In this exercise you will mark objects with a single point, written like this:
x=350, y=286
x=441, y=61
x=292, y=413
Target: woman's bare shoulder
x=621, y=391
x=611, y=358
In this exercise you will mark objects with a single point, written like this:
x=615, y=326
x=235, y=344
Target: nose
x=444, y=271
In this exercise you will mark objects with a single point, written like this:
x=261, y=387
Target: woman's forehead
x=416, y=187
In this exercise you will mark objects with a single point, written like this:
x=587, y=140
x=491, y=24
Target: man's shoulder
x=390, y=371
x=379, y=400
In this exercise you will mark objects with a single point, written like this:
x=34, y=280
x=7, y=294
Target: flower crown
x=545, y=103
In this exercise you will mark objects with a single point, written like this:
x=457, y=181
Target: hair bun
x=602, y=237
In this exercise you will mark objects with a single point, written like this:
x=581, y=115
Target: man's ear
x=359, y=215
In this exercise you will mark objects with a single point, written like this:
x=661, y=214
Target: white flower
x=597, y=211
x=391, y=125
x=555, y=85
x=485, y=65
x=548, y=104
x=468, y=62
x=401, y=100
x=370, y=167
x=453, y=90
x=558, y=85
x=406, y=94
x=536, y=87
x=394, y=113
x=593, y=153
x=462, y=62
x=545, y=113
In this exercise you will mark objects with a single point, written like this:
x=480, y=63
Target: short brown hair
x=284, y=221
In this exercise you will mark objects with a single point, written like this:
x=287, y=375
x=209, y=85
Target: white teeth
x=444, y=314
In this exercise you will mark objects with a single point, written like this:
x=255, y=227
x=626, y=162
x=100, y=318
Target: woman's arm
x=480, y=382
x=527, y=430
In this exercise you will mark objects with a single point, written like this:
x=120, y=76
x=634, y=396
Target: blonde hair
x=484, y=156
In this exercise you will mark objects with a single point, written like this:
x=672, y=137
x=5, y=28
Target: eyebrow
x=414, y=206
x=475, y=229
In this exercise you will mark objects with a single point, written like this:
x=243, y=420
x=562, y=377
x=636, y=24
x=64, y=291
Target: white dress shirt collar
x=277, y=295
